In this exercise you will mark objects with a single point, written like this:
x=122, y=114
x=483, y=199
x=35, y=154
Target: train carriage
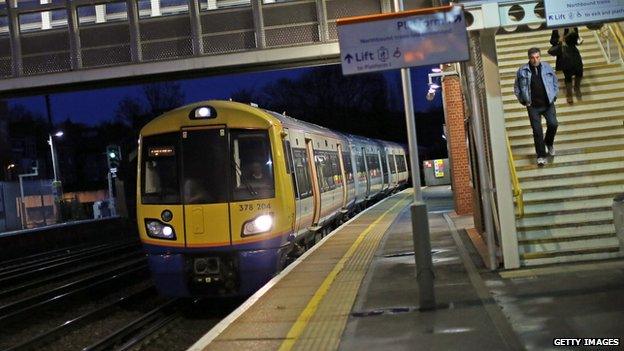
x=228, y=192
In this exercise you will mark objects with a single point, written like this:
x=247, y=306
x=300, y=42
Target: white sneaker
x=541, y=161
x=551, y=150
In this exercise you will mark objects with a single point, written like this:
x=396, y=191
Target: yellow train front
x=213, y=216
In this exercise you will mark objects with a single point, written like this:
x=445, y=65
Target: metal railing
x=611, y=38
x=517, y=190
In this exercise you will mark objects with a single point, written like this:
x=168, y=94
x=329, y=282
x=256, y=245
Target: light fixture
x=59, y=133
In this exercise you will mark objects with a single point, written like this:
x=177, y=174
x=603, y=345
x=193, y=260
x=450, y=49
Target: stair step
x=589, y=72
x=589, y=109
x=513, y=53
x=588, y=80
x=535, y=249
x=545, y=173
x=511, y=68
x=573, y=256
x=598, y=98
x=589, y=156
x=574, y=194
x=572, y=182
x=586, y=90
x=564, y=220
x=573, y=131
x=563, y=207
x=563, y=233
x=584, y=32
x=569, y=148
x=567, y=139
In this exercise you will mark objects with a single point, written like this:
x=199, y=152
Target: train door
x=288, y=154
x=316, y=190
x=343, y=176
x=205, y=165
x=368, y=177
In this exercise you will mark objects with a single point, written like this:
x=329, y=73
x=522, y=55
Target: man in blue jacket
x=536, y=87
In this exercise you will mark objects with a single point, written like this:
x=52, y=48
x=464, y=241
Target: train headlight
x=258, y=225
x=157, y=229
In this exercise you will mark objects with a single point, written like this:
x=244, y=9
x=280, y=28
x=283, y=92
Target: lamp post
x=56, y=183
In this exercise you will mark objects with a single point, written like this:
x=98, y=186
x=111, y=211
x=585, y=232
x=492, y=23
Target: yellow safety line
x=310, y=309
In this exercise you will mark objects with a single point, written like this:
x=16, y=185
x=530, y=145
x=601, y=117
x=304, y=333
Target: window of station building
x=159, y=169
x=300, y=161
x=392, y=164
x=219, y=4
x=346, y=159
x=150, y=8
x=373, y=165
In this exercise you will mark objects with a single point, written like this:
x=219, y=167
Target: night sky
x=98, y=105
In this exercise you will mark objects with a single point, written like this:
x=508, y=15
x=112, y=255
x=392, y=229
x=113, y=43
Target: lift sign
x=404, y=39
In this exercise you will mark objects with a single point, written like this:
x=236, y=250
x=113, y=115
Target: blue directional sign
x=402, y=39
x=565, y=13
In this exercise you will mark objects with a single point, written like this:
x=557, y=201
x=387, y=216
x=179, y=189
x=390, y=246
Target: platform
x=357, y=290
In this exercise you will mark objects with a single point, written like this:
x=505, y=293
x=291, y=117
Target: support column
x=75, y=49
x=321, y=15
x=498, y=147
x=458, y=147
x=136, y=53
x=258, y=18
x=196, y=28
x=16, y=44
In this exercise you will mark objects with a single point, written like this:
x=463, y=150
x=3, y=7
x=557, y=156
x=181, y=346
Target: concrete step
x=570, y=160
x=569, y=129
x=565, y=220
x=568, y=123
x=563, y=233
x=522, y=44
x=574, y=194
x=568, y=148
x=586, y=90
x=513, y=53
x=562, y=207
x=588, y=57
x=589, y=72
x=597, y=79
x=566, y=139
x=512, y=68
x=592, y=102
x=603, y=253
x=574, y=181
x=589, y=110
x=545, y=173
x=532, y=35
x=534, y=249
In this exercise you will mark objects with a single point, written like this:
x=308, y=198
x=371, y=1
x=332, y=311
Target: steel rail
x=153, y=320
x=64, y=329
x=58, y=277
x=19, y=307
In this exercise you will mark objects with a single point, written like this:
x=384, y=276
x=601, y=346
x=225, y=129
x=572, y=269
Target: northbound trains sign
x=402, y=39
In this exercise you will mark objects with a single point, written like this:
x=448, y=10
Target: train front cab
x=213, y=216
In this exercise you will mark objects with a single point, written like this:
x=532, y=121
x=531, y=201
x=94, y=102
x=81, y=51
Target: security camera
x=430, y=95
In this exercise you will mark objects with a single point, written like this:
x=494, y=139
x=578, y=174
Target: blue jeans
x=535, y=116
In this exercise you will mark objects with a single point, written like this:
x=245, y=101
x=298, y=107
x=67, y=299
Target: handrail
x=616, y=31
x=517, y=191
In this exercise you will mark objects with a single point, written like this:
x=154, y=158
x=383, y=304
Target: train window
x=401, y=163
x=204, y=166
x=373, y=165
x=360, y=166
x=159, y=169
x=346, y=159
x=252, y=165
x=324, y=171
x=300, y=160
x=384, y=166
x=288, y=156
x=335, y=168
x=392, y=164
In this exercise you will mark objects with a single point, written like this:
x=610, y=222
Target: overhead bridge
x=48, y=44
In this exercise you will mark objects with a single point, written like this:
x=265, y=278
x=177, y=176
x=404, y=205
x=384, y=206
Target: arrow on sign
x=348, y=58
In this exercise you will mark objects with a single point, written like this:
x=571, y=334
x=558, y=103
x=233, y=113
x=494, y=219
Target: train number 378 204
x=252, y=207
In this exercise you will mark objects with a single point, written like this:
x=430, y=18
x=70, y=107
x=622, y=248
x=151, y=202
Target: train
x=229, y=193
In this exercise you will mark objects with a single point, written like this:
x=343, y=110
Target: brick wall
x=458, y=147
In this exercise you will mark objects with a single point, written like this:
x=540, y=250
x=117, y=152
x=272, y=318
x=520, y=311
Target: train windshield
x=159, y=172
x=251, y=164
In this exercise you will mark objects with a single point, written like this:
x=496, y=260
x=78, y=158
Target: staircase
x=568, y=215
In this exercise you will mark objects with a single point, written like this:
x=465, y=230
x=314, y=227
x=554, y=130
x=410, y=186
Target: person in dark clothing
x=536, y=87
x=569, y=61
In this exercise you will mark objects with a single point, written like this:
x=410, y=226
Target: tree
x=163, y=97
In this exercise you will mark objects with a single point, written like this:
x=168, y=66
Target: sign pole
x=420, y=220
